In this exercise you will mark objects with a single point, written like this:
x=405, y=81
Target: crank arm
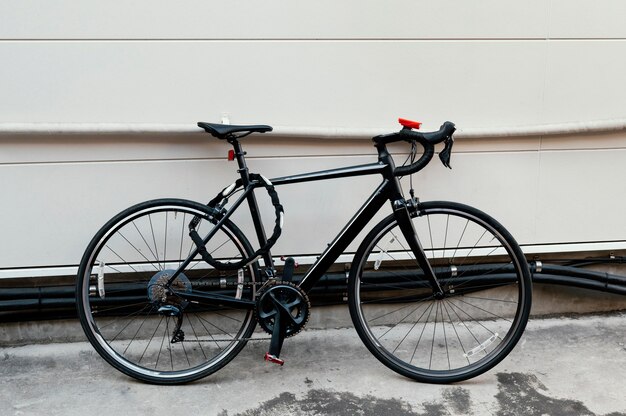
x=278, y=336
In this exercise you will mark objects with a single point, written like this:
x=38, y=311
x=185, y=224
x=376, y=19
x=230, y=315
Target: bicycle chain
x=244, y=284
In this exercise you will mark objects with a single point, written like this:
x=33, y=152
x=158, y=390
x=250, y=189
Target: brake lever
x=446, y=153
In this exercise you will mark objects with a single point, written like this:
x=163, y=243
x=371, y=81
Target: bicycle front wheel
x=486, y=302
x=137, y=325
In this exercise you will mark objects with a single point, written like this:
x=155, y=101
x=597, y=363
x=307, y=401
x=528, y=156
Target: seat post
x=241, y=160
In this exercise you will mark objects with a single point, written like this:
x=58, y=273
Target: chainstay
x=226, y=340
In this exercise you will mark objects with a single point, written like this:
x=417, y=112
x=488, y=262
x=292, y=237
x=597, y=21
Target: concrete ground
x=564, y=366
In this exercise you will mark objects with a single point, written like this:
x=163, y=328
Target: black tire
x=487, y=289
x=118, y=293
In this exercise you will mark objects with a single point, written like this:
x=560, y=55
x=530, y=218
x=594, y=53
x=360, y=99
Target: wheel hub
x=157, y=288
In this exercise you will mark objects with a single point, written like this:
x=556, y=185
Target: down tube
x=346, y=236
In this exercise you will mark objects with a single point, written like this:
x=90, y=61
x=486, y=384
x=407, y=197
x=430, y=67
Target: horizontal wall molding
x=585, y=127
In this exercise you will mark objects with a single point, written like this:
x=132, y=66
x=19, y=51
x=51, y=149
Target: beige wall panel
x=421, y=19
x=585, y=81
x=297, y=19
x=581, y=196
x=349, y=84
x=584, y=19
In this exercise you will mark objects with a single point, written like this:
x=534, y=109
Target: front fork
x=403, y=217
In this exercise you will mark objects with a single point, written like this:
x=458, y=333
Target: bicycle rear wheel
x=487, y=290
x=134, y=323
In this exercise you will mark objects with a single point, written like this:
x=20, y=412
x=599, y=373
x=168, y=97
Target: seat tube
x=252, y=202
x=402, y=216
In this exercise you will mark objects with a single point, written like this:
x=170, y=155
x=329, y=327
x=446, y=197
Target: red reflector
x=231, y=154
x=409, y=123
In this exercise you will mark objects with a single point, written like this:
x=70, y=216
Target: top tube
x=359, y=170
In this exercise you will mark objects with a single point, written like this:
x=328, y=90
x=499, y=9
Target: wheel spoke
x=156, y=248
x=144, y=240
x=456, y=333
x=137, y=250
x=479, y=308
x=165, y=243
x=182, y=233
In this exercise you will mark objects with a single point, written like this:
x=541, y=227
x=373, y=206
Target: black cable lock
x=258, y=180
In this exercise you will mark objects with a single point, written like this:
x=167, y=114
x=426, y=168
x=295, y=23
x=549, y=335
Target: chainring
x=291, y=298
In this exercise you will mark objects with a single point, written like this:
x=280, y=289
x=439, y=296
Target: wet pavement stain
x=324, y=402
x=459, y=400
x=332, y=403
x=519, y=395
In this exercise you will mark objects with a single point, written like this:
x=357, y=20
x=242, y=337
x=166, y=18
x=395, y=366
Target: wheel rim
x=462, y=335
x=133, y=325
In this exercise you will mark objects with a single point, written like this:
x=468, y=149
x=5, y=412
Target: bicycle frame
x=152, y=316
x=388, y=190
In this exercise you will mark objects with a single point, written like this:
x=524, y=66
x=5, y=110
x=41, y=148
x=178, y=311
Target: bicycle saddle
x=221, y=131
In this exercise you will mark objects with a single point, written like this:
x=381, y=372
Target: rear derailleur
x=170, y=306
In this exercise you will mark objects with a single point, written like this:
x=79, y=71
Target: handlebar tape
x=446, y=130
x=426, y=140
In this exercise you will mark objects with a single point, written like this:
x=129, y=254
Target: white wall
x=353, y=63
x=319, y=64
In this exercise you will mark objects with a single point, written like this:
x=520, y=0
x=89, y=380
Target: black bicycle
x=170, y=290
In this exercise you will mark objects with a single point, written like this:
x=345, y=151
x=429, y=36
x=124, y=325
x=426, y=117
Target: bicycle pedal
x=274, y=359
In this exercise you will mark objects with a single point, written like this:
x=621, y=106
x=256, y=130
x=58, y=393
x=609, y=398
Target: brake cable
x=412, y=156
